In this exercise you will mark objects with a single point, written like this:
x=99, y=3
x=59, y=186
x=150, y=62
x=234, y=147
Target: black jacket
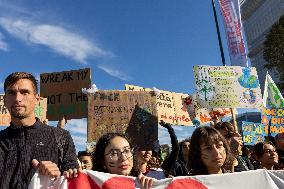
x=19, y=145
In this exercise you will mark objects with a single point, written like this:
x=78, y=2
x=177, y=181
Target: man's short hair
x=16, y=76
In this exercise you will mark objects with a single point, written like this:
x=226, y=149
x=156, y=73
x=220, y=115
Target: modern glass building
x=257, y=17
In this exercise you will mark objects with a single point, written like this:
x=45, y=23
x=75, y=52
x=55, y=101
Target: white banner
x=230, y=10
x=256, y=179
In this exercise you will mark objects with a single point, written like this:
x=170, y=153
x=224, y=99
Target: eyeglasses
x=116, y=154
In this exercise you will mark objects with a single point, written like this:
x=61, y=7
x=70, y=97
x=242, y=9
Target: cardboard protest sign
x=180, y=102
x=273, y=119
x=131, y=112
x=203, y=116
x=63, y=91
x=5, y=118
x=252, y=132
x=164, y=101
x=227, y=87
x=41, y=109
x=170, y=106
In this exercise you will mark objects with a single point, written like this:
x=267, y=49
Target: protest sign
x=5, y=118
x=131, y=112
x=252, y=132
x=227, y=87
x=203, y=116
x=170, y=106
x=63, y=91
x=273, y=119
x=41, y=109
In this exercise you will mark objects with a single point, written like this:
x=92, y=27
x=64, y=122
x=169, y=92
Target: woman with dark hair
x=209, y=152
x=265, y=155
x=184, y=150
x=180, y=167
x=114, y=154
x=234, y=139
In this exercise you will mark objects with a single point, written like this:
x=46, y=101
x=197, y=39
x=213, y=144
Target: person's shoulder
x=4, y=132
x=58, y=130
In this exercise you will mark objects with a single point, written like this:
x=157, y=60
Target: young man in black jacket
x=28, y=144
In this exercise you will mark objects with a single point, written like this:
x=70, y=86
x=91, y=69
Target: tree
x=273, y=51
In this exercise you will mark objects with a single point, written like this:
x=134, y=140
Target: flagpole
x=218, y=33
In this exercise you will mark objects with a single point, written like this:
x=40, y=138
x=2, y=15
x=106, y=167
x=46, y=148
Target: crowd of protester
x=29, y=145
x=214, y=149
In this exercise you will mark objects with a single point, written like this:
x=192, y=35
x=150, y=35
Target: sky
x=149, y=43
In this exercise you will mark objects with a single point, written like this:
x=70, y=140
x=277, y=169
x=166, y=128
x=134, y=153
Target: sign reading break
x=128, y=112
x=63, y=91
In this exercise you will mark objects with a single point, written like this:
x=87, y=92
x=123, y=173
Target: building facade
x=258, y=16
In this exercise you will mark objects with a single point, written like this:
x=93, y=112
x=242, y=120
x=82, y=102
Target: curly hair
x=205, y=135
x=99, y=154
x=16, y=76
x=258, y=151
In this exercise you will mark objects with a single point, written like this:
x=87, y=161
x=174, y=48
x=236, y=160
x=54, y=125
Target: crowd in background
x=215, y=149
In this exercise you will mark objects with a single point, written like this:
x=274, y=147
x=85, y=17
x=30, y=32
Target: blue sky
x=146, y=43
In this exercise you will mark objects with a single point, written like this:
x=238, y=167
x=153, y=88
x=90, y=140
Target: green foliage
x=274, y=49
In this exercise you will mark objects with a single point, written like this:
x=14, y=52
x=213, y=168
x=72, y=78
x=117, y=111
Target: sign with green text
x=227, y=87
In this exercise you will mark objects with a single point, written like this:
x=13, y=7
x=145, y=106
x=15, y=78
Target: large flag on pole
x=255, y=179
x=230, y=10
x=272, y=97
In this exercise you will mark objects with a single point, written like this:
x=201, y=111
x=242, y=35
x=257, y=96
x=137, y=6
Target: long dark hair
x=204, y=135
x=258, y=151
x=180, y=154
x=98, y=156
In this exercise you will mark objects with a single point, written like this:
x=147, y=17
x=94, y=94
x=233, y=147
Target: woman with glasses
x=265, y=155
x=209, y=152
x=114, y=154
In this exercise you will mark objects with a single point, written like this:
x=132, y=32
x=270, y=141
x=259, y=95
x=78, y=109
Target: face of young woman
x=118, y=156
x=144, y=156
x=270, y=156
x=213, y=156
x=185, y=148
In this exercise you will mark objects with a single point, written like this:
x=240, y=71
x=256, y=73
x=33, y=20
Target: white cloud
x=3, y=44
x=57, y=38
x=114, y=72
x=77, y=126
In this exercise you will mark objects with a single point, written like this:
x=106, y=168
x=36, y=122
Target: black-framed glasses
x=115, y=154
